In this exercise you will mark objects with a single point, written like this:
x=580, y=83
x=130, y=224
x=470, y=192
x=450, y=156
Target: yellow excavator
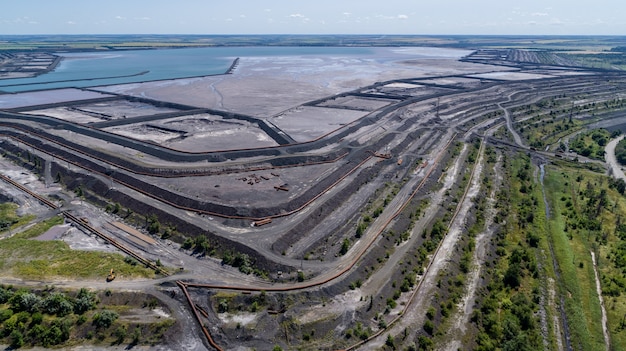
x=111, y=275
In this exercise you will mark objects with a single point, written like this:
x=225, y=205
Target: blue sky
x=528, y=17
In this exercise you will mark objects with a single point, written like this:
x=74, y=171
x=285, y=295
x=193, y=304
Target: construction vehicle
x=111, y=275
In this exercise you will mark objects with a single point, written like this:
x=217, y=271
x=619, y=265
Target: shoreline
x=231, y=69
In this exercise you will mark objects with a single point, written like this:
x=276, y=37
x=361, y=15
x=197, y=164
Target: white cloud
x=71, y=23
x=539, y=14
x=24, y=19
x=242, y=16
x=296, y=15
x=143, y=18
x=120, y=18
x=347, y=14
x=556, y=22
x=403, y=17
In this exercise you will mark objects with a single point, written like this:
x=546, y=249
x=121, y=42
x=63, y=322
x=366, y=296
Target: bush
x=36, y=334
x=430, y=314
x=5, y=314
x=5, y=295
x=57, y=304
x=188, y=244
x=425, y=343
x=85, y=301
x=136, y=336
x=429, y=327
x=17, y=339
x=53, y=336
x=345, y=246
x=120, y=334
x=222, y=307
x=24, y=301
x=512, y=276
x=36, y=319
x=104, y=319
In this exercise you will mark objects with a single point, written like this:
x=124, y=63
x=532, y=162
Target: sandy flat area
x=511, y=76
x=267, y=86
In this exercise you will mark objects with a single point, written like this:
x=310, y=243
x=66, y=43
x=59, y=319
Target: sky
x=470, y=17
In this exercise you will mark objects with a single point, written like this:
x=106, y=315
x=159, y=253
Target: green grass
x=578, y=284
x=39, y=228
x=9, y=215
x=22, y=257
x=591, y=144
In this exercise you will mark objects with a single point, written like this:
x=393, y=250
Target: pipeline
x=200, y=211
x=357, y=257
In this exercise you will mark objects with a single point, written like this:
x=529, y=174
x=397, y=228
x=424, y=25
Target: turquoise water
x=92, y=69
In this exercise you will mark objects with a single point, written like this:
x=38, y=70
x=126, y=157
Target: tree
x=345, y=246
x=188, y=244
x=152, y=222
x=360, y=229
x=425, y=343
x=429, y=327
x=390, y=342
x=154, y=227
x=512, y=276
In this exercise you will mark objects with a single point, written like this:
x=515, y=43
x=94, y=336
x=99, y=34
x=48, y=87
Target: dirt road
x=611, y=160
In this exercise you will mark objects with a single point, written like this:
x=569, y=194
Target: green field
x=23, y=257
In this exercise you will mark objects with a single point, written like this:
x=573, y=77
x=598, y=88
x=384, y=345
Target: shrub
x=5, y=295
x=17, y=339
x=24, y=301
x=36, y=318
x=36, y=334
x=57, y=304
x=429, y=327
x=104, y=319
x=85, y=301
x=345, y=246
x=5, y=314
x=120, y=334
